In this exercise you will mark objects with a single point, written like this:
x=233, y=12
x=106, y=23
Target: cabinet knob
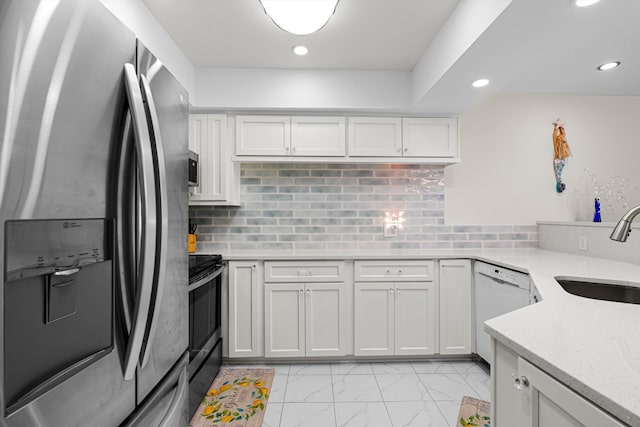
x=399, y=271
x=520, y=383
x=391, y=290
x=388, y=271
x=301, y=291
x=308, y=292
x=399, y=150
x=397, y=291
x=406, y=149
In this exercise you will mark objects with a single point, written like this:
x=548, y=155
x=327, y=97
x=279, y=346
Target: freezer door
x=167, y=332
x=166, y=405
x=61, y=111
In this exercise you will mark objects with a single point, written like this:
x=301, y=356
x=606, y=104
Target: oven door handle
x=206, y=279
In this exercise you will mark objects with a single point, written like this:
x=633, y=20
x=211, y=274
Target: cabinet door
x=245, y=309
x=284, y=320
x=455, y=307
x=325, y=314
x=552, y=404
x=375, y=137
x=318, y=136
x=263, y=135
x=415, y=318
x=208, y=137
x=374, y=311
x=198, y=134
x=430, y=137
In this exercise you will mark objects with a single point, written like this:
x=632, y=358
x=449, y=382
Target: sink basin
x=600, y=290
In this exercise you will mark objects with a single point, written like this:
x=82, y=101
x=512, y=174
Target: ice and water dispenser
x=58, y=302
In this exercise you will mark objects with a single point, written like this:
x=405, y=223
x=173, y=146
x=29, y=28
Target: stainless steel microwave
x=193, y=169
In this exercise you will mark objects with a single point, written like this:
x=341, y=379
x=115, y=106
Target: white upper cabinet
x=283, y=136
x=375, y=136
x=343, y=140
x=318, y=136
x=263, y=135
x=424, y=137
x=435, y=138
x=219, y=177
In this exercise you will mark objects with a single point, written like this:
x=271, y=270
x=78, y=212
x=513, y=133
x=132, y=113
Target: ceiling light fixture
x=300, y=17
x=480, y=83
x=300, y=50
x=585, y=3
x=609, y=66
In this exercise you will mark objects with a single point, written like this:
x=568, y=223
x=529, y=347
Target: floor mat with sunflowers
x=236, y=398
x=474, y=412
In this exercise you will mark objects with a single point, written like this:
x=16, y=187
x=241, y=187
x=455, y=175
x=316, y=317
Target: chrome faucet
x=622, y=229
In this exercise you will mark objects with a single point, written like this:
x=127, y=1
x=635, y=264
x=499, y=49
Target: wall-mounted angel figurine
x=562, y=152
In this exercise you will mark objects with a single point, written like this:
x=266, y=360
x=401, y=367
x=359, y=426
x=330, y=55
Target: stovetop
x=201, y=263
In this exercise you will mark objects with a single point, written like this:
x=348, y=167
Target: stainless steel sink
x=608, y=291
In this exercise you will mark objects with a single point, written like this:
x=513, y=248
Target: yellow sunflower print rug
x=474, y=413
x=236, y=398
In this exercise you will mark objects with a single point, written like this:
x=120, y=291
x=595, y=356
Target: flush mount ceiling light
x=300, y=50
x=480, y=83
x=300, y=17
x=585, y=3
x=609, y=66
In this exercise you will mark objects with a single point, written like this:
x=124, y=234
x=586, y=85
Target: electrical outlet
x=583, y=243
x=390, y=230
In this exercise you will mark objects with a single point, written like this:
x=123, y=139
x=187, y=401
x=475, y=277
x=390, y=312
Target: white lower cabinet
x=245, y=309
x=395, y=319
x=305, y=320
x=525, y=396
x=455, y=306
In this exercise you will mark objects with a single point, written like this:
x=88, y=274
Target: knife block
x=191, y=243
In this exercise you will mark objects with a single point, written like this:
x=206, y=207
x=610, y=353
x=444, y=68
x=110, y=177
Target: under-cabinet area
x=360, y=308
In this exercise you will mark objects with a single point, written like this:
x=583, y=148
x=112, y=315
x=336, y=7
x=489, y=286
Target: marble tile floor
x=406, y=394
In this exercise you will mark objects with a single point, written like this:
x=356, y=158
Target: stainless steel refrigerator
x=93, y=205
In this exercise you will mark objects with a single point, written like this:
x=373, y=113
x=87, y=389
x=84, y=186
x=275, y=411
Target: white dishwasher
x=497, y=291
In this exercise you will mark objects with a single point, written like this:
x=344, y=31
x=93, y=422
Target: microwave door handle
x=162, y=228
x=146, y=181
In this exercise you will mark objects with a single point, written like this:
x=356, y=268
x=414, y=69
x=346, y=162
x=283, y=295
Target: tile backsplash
x=323, y=206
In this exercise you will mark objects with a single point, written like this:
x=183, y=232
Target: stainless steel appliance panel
x=170, y=338
x=61, y=103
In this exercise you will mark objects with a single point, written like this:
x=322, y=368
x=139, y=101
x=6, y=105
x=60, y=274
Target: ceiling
x=537, y=46
x=362, y=34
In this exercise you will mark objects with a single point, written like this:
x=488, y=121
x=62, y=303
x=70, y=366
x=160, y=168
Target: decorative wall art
x=561, y=153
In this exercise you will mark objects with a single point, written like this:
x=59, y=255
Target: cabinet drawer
x=394, y=271
x=304, y=272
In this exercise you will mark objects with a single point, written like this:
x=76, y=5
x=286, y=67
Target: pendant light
x=300, y=17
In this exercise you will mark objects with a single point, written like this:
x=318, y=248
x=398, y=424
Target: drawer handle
x=520, y=383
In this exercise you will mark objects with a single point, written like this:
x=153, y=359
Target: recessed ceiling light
x=300, y=50
x=585, y=3
x=480, y=83
x=609, y=66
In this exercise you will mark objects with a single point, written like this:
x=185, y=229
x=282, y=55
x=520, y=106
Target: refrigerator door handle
x=125, y=248
x=146, y=180
x=163, y=217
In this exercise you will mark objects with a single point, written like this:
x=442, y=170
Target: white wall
x=135, y=15
x=506, y=175
x=233, y=88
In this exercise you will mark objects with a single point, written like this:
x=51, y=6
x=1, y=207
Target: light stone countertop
x=592, y=346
